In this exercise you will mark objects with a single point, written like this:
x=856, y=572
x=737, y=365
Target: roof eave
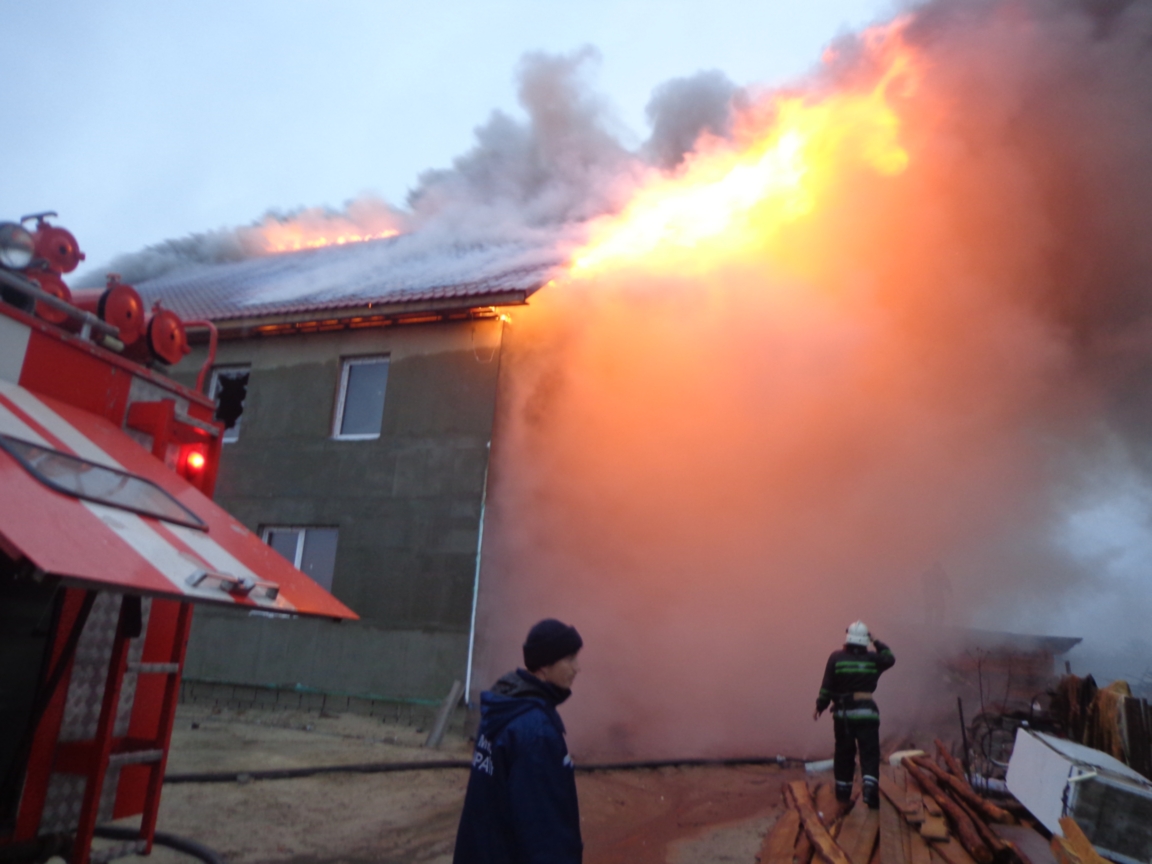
x=367, y=315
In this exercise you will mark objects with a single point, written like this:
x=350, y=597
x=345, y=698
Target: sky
x=139, y=122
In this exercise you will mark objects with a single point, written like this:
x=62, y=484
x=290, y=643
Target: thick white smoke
x=711, y=472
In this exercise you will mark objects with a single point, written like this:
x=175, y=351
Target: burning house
x=358, y=383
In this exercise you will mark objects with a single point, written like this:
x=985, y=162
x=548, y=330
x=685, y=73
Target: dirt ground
x=661, y=816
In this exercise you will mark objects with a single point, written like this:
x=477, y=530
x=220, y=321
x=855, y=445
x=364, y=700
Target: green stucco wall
x=407, y=506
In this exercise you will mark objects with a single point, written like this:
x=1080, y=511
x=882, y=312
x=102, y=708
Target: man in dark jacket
x=849, y=681
x=520, y=807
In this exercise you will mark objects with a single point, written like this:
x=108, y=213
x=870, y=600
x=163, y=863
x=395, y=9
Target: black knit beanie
x=549, y=641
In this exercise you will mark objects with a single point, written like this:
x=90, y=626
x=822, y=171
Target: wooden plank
x=802, y=852
x=1079, y=842
x=822, y=841
x=918, y=848
x=934, y=828
x=965, y=830
x=1064, y=853
x=963, y=792
x=850, y=828
x=891, y=791
x=891, y=834
x=915, y=814
x=858, y=834
x=1028, y=843
x=952, y=852
x=827, y=806
x=780, y=841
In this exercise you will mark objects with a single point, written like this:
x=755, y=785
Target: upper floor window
x=311, y=550
x=360, y=406
x=229, y=389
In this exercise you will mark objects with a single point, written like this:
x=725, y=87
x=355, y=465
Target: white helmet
x=858, y=634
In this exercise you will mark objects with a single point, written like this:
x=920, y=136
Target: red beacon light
x=195, y=461
x=55, y=246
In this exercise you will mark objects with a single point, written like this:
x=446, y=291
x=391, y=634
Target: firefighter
x=849, y=681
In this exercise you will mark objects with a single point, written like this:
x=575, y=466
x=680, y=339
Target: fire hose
x=460, y=764
x=172, y=841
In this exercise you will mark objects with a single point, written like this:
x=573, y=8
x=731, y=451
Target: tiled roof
x=406, y=270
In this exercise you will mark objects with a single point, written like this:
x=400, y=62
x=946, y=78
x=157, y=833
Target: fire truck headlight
x=16, y=246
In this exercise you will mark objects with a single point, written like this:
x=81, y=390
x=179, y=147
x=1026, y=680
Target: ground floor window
x=308, y=548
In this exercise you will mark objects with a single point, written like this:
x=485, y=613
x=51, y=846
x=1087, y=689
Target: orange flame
x=291, y=237
x=787, y=155
x=315, y=227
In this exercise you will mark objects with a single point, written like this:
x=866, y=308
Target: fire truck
x=108, y=538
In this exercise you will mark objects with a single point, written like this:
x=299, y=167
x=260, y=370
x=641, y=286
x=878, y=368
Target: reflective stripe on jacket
x=851, y=671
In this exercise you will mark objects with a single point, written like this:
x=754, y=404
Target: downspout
x=503, y=319
x=476, y=585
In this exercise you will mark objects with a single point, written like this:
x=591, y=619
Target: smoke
x=272, y=233
x=711, y=463
x=525, y=183
x=683, y=109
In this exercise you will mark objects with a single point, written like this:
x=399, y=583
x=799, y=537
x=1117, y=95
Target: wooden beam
x=891, y=838
x=822, y=841
x=964, y=792
x=960, y=820
x=780, y=841
x=1079, y=842
x=858, y=834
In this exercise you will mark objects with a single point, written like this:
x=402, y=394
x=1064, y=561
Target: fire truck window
x=360, y=408
x=309, y=549
x=91, y=482
x=229, y=390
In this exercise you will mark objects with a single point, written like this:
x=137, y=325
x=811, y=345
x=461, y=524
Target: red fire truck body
x=108, y=536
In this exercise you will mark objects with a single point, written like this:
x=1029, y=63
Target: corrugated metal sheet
x=407, y=269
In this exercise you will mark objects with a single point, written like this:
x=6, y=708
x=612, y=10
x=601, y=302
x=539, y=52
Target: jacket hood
x=518, y=693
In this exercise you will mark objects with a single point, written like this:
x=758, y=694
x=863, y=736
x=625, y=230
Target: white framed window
x=229, y=390
x=360, y=404
x=310, y=549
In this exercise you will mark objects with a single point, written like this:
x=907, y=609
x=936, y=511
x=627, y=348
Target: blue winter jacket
x=520, y=807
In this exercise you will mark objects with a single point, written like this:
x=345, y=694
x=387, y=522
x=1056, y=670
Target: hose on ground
x=172, y=841
x=444, y=764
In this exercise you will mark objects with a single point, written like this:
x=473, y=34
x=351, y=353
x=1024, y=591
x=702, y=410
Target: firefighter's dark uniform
x=849, y=681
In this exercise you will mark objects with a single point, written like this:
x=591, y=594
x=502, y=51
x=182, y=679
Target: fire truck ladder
x=92, y=759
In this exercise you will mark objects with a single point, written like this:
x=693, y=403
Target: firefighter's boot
x=843, y=791
x=871, y=793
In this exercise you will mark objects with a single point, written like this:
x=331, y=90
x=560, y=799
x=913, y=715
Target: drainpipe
x=476, y=583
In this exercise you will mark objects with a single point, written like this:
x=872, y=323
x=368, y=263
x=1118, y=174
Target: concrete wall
x=407, y=506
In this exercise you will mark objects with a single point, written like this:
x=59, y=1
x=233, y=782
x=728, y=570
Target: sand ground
x=661, y=816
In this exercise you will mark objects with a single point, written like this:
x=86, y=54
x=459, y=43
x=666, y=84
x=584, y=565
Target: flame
x=291, y=237
x=313, y=228
x=787, y=154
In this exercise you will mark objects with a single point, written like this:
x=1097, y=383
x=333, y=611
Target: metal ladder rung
x=120, y=850
x=154, y=668
x=135, y=757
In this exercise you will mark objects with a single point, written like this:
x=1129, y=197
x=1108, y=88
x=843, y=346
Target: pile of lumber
x=1108, y=718
x=814, y=826
x=928, y=814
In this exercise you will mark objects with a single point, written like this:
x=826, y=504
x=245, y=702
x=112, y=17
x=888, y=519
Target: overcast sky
x=141, y=121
